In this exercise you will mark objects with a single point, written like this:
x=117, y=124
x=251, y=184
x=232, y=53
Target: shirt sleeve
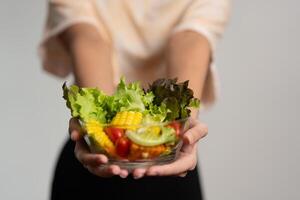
x=208, y=18
x=61, y=15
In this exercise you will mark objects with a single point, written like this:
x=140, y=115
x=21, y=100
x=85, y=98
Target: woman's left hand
x=187, y=159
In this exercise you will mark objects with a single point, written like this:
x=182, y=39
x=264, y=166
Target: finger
x=195, y=133
x=105, y=171
x=75, y=135
x=74, y=125
x=138, y=173
x=114, y=169
x=83, y=154
x=92, y=159
x=123, y=173
x=182, y=174
x=189, y=148
x=181, y=165
x=100, y=171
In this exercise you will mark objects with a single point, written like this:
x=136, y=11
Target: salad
x=133, y=123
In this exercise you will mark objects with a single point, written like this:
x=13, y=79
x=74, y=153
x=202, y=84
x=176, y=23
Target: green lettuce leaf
x=165, y=100
x=85, y=103
x=155, y=114
x=129, y=97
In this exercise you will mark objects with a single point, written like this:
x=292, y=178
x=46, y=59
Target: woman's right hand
x=93, y=162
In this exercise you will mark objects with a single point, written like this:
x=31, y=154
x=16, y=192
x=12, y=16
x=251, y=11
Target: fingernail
x=138, y=176
x=123, y=175
x=73, y=136
x=102, y=160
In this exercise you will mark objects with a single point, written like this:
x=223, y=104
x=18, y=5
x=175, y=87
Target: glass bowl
x=135, y=152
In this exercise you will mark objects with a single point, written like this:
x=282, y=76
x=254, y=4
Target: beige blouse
x=138, y=30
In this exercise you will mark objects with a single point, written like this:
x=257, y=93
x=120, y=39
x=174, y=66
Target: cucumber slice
x=146, y=137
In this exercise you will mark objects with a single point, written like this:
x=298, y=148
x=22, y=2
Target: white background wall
x=252, y=150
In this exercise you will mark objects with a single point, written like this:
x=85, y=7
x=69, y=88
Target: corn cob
x=100, y=139
x=127, y=120
x=140, y=152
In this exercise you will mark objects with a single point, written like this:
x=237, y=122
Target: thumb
x=75, y=129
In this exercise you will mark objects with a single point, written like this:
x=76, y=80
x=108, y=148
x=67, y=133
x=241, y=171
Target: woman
x=98, y=41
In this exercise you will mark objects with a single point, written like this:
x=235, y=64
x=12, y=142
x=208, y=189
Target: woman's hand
x=187, y=159
x=93, y=162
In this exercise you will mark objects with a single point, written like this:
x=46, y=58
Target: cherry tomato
x=114, y=133
x=123, y=147
x=176, y=126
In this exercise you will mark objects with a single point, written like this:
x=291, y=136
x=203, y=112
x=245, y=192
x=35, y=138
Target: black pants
x=73, y=181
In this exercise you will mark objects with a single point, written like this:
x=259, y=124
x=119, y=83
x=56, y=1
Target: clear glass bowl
x=132, y=162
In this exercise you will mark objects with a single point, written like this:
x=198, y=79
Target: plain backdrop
x=252, y=150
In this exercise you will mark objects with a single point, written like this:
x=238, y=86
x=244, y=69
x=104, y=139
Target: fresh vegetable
x=154, y=130
x=140, y=152
x=114, y=133
x=177, y=97
x=85, y=103
x=165, y=100
x=138, y=123
x=155, y=114
x=127, y=120
x=146, y=137
x=98, y=136
x=129, y=97
x=123, y=147
x=176, y=127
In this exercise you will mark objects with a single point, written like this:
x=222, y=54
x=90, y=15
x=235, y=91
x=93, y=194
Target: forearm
x=91, y=57
x=188, y=58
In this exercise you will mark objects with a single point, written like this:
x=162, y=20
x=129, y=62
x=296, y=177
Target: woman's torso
x=139, y=32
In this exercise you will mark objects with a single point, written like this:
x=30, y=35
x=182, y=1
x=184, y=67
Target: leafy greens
x=177, y=97
x=165, y=100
